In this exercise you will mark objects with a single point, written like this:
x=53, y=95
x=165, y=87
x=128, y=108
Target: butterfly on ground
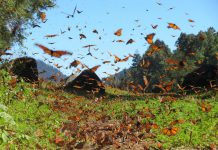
x=170, y=131
x=206, y=107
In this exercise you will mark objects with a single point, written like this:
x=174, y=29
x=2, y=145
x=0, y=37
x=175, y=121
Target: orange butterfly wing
x=173, y=26
x=149, y=38
x=60, y=53
x=75, y=63
x=190, y=20
x=106, y=62
x=42, y=16
x=117, y=59
x=125, y=59
x=118, y=32
x=45, y=49
x=93, y=69
x=170, y=131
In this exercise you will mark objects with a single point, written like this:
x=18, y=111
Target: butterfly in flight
x=173, y=26
x=118, y=32
x=57, y=53
x=149, y=38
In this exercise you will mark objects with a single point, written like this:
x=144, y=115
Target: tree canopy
x=160, y=64
x=16, y=16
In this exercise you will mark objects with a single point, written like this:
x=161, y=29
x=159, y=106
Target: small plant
x=7, y=123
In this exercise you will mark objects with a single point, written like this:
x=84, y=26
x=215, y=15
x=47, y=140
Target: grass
x=33, y=117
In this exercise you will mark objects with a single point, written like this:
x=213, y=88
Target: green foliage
x=192, y=50
x=203, y=132
x=25, y=120
x=16, y=16
x=28, y=122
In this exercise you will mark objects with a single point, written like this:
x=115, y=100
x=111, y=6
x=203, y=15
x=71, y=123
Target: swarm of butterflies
x=149, y=38
x=128, y=125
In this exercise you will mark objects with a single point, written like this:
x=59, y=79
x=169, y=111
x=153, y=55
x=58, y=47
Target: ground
x=44, y=117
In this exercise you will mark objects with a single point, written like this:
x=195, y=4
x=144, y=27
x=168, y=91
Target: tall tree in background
x=136, y=72
x=16, y=16
x=196, y=50
x=192, y=52
x=157, y=65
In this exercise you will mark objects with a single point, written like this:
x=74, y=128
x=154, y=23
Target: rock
x=25, y=68
x=205, y=77
x=87, y=83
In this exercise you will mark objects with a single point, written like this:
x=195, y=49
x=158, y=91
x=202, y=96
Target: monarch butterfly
x=190, y=20
x=173, y=26
x=42, y=15
x=95, y=31
x=154, y=26
x=177, y=121
x=13, y=82
x=125, y=59
x=57, y=54
x=120, y=41
x=130, y=41
x=118, y=32
x=51, y=35
x=166, y=87
x=93, y=69
x=117, y=59
x=56, y=65
x=154, y=48
x=205, y=107
x=75, y=63
x=170, y=131
x=88, y=46
x=82, y=36
x=106, y=62
x=149, y=38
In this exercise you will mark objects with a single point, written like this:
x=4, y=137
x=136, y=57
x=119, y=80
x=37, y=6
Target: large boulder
x=86, y=83
x=24, y=67
x=205, y=77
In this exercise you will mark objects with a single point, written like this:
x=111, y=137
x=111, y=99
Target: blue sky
x=106, y=16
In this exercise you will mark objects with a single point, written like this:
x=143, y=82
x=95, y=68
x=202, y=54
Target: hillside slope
x=44, y=117
x=46, y=71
